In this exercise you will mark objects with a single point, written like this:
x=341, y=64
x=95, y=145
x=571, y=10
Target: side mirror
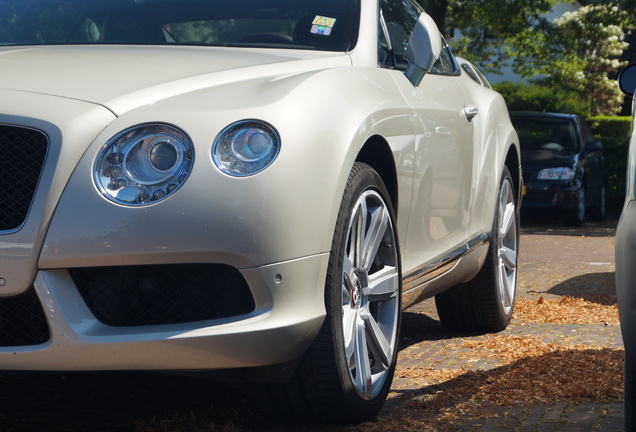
x=627, y=80
x=423, y=50
x=593, y=146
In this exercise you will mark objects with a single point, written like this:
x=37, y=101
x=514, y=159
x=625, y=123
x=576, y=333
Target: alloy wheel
x=370, y=294
x=507, y=246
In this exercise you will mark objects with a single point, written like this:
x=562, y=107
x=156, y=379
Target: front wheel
x=576, y=216
x=346, y=374
x=597, y=211
x=486, y=303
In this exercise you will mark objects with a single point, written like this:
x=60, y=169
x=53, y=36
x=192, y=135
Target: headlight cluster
x=562, y=173
x=147, y=163
x=246, y=148
x=144, y=164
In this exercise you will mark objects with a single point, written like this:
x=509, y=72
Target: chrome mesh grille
x=163, y=294
x=22, y=321
x=22, y=154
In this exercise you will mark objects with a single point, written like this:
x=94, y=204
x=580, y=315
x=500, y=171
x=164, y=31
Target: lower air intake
x=22, y=321
x=163, y=294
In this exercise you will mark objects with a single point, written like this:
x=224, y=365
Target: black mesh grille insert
x=163, y=294
x=22, y=321
x=22, y=154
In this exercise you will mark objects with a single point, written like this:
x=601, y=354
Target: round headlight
x=246, y=148
x=144, y=164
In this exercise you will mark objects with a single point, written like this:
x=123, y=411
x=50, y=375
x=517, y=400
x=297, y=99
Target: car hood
x=532, y=160
x=123, y=77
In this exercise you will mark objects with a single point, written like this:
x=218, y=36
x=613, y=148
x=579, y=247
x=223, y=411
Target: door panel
x=443, y=170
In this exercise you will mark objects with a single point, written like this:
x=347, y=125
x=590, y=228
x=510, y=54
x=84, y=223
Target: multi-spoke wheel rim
x=370, y=294
x=507, y=240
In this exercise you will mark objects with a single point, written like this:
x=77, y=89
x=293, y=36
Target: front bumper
x=556, y=195
x=289, y=310
x=277, y=238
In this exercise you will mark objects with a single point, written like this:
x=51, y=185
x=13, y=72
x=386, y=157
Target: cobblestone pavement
x=554, y=261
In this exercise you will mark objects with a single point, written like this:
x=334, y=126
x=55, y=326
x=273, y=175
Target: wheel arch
x=376, y=153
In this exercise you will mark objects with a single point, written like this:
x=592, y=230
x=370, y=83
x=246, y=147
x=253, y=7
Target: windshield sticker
x=322, y=25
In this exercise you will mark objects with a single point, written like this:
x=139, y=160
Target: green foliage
x=437, y=9
x=497, y=32
x=537, y=97
x=591, y=42
x=611, y=126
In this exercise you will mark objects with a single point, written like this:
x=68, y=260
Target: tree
x=490, y=33
x=437, y=9
x=578, y=52
x=591, y=41
x=537, y=97
x=496, y=33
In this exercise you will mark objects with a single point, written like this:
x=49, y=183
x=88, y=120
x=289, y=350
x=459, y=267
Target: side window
x=395, y=25
x=586, y=133
x=483, y=78
x=471, y=73
x=446, y=64
x=385, y=49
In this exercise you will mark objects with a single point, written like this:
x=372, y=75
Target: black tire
x=347, y=372
x=576, y=216
x=486, y=303
x=597, y=211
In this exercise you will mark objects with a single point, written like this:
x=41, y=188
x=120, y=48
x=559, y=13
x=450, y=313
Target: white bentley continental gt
x=253, y=186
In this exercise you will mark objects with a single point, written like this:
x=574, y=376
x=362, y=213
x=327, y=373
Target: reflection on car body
x=258, y=186
x=563, y=166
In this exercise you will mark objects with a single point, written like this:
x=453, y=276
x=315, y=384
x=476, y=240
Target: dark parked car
x=563, y=166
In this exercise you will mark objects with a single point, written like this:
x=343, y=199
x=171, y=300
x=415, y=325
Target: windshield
x=300, y=24
x=546, y=133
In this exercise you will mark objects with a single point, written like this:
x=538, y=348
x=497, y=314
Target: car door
x=443, y=159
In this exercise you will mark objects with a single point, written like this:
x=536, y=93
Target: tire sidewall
x=362, y=179
x=504, y=318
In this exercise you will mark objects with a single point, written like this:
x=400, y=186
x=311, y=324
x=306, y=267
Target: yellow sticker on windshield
x=324, y=21
x=322, y=25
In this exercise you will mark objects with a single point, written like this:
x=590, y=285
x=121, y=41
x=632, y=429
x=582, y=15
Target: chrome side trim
x=440, y=266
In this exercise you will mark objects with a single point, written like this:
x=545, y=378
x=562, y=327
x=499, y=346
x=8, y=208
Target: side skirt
x=415, y=283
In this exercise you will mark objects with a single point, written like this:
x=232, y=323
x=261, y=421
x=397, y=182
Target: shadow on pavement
x=550, y=225
x=595, y=287
x=418, y=327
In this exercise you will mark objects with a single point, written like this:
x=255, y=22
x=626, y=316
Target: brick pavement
x=554, y=261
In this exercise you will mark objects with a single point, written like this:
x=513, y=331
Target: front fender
x=286, y=212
